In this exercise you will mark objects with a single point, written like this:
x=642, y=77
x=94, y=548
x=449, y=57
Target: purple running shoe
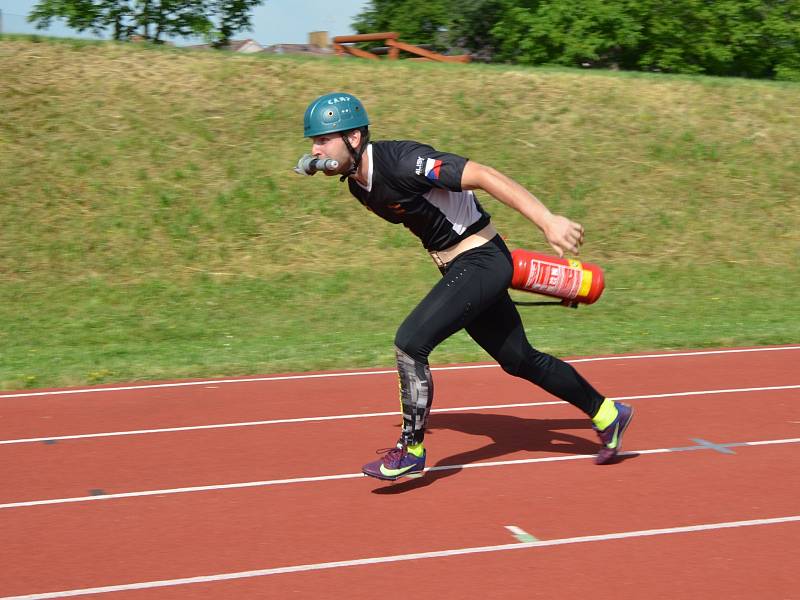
x=396, y=462
x=611, y=436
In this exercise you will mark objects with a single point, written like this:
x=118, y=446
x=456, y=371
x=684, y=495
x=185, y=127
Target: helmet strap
x=356, y=155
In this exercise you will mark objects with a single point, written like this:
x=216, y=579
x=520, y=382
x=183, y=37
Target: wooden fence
x=341, y=44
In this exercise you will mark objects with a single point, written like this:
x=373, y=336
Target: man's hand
x=563, y=235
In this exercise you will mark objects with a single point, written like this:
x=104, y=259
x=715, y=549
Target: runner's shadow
x=509, y=435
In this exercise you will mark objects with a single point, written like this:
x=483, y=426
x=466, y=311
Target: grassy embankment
x=150, y=226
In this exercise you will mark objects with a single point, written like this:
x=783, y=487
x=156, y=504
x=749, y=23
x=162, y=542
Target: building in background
x=247, y=46
x=319, y=44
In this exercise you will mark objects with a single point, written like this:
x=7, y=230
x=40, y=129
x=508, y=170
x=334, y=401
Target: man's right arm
x=561, y=233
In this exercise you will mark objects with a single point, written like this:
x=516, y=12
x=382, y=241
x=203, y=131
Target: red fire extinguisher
x=570, y=280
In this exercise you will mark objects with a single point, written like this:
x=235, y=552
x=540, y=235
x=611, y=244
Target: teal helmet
x=333, y=113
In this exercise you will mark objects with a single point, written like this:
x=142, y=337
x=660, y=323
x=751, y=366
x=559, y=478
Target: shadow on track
x=509, y=435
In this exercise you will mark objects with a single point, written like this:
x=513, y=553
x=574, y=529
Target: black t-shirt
x=413, y=184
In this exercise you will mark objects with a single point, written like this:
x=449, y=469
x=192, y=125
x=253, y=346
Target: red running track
x=295, y=496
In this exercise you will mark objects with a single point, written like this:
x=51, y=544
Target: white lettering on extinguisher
x=554, y=280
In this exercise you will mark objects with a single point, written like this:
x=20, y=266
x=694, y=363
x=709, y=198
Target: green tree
x=233, y=16
x=750, y=38
x=416, y=22
x=471, y=27
x=152, y=19
x=581, y=32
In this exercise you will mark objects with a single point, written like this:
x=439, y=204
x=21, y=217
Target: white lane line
x=183, y=490
x=209, y=382
x=267, y=422
x=81, y=436
x=269, y=482
x=359, y=562
x=766, y=442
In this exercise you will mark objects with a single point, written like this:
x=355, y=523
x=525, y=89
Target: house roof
x=233, y=45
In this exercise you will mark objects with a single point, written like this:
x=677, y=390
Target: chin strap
x=355, y=154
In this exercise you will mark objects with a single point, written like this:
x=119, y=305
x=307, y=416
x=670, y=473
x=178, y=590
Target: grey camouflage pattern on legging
x=416, y=396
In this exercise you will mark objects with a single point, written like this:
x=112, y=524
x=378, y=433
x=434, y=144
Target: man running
x=431, y=194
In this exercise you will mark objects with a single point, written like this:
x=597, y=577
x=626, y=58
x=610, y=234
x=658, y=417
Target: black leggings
x=473, y=294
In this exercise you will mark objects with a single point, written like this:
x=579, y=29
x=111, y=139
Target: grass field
x=151, y=226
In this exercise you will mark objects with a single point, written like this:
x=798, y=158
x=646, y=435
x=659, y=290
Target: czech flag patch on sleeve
x=432, y=167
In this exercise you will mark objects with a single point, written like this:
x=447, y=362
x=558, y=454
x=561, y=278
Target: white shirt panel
x=458, y=207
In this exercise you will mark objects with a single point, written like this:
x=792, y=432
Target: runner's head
x=338, y=125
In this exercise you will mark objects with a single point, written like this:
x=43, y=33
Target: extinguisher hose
x=566, y=303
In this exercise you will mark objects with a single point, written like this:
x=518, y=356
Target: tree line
x=745, y=38
x=153, y=20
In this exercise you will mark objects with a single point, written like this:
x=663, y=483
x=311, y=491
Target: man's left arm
x=561, y=233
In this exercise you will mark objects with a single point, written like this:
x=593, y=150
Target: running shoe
x=611, y=436
x=396, y=462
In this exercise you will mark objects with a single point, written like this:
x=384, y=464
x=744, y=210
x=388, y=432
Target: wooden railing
x=395, y=46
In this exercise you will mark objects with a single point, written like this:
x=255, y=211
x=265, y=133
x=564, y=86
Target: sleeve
x=419, y=167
